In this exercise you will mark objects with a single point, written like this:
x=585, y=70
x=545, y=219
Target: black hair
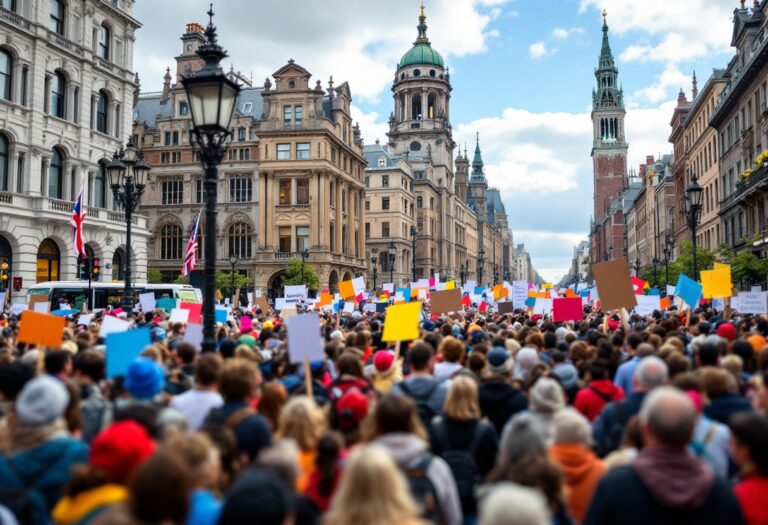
x=751, y=429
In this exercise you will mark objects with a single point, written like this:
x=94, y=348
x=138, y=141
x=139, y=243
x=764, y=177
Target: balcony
x=743, y=189
x=284, y=256
x=6, y=198
x=14, y=18
x=65, y=43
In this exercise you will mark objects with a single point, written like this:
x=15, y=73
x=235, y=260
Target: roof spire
x=695, y=90
x=477, y=163
x=422, y=27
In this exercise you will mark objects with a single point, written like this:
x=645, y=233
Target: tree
x=746, y=268
x=293, y=275
x=705, y=259
x=154, y=276
x=224, y=280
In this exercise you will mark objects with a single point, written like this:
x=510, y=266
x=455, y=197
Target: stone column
x=339, y=217
x=44, y=166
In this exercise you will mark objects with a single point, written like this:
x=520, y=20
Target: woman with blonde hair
x=304, y=422
x=372, y=491
x=460, y=433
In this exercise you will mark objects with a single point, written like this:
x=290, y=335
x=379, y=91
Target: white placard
x=112, y=324
x=543, y=306
x=757, y=288
x=250, y=298
x=304, y=339
x=17, y=308
x=85, y=319
x=670, y=290
x=280, y=303
x=194, y=335
x=42, y=308
x=349, y=307
x=369, y=307
x=751, y=303
x=388, y=287
x=358, y=285
x=257, y=292
x=519, y=294
x=179, y=315
x=147, y=302
x=646, y=304
x=295, y=294
x=422, y=283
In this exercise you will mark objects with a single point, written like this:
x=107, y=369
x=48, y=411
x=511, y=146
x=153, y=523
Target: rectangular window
x=332, y=195
x=284, y=238
x=367, y=182
x=302, y=151
x=175, y=138
x=245, y=154
x=385, y=181
x=172, y=191
x=232, y=154
x=302, y=191
x=240, y=189
x=367, y=230
x=385, y=203
x=20, y=173
x=241, y=134
x=284, y=190
x=367, y=205
x=287, y=113
x=57, y=17
x=199, y=193
x=24, y=81
x=167, y=138
x=344, y=201
x=302, y=238
x=298, y=114
x=175, y=157
x=165, y=158
x=385, y=229
x=283, y=152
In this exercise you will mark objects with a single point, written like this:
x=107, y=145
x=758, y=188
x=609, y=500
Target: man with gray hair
x=608, y=429
x=665, y=484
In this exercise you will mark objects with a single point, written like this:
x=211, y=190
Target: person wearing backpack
x=40, y=453
x=426, y=391
x=395, y=426
x=599, y=391
x=464, y=441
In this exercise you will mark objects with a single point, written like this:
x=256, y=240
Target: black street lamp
x=462, y=272
x=212, y=98
x=480, y=262
x=495, y=273
x=413, y=258
x=693, y=196
x=233, y=260
x=392, y=256
x=128, y=176
x=637, y=267
x=668, y=247
x=304, y=257
x=374, y=260
x=655, y=263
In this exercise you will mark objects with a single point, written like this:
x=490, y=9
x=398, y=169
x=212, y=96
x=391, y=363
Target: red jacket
x=752, y=494
x=591, y=400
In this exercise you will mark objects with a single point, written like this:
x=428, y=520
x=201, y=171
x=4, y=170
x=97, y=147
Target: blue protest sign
x=688, y=290
x=654, y=291
x=221, y=315
x=530, y=302
x=166, y=304
x=123, y=348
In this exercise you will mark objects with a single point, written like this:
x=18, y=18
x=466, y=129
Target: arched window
x=183, y=108
x=431, y=103
x=55, y=174
x=3, y=163
x=6, y=74
x=170, y=242
x=416, y=108
x=102, y=104
x=48, y=259
x=99, y=199
x=105, y=37
x=240, y=240
x=58, y=91
x=117, y=265
x=58, y=12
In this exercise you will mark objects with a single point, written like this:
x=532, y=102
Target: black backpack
x=423, y=490
x=422, y=402
x=461, y=461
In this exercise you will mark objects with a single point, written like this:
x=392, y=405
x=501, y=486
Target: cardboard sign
x=195, y=312
x=519, y=293
x=147, y=301
x=506, y=308
x=111, y=325
x=567, y=309
x=402, y=322
x=84, y=319
x=261, y=303
x=304, y=338
x=716, y=283
x=41, y=329
x=446, y=301
x=123, y=348
x=688, y=290
x=614, y=285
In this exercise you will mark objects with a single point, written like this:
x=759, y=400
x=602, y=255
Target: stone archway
x=333, y=281
x=347, y=276
x=275, y=285
x=48, y=261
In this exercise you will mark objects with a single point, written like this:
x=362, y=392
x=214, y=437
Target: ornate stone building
x=292, y=178
x=65, y=92
x=609, y=157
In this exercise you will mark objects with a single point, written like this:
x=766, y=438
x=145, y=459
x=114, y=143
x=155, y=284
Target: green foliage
x=224, y=280
x=747, y=269
x=180, y=279
x=292, y=275
x=154, y=276
x=705, y=260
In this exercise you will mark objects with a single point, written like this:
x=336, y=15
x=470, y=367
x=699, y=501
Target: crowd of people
x=485, y=419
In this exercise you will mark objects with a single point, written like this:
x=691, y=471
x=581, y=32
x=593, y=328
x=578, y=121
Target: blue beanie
x=144, y=379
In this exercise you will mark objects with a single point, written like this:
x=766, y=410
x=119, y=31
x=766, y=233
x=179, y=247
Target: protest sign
x=358, y=285
x=752, y=303
x=41, y=329
x=304, y=339
x=670, y=290
x=688, y=290
x=646, y=304
x=84, y=319
x=519, y=293
x=506, y=308
x=261, y=303
x=221, y=314
x=195, y=312
x=17, y=308
x=716, y=283
x=446, y=301
x=349, y=307
x=402, y=322
x=543, y=306
x=123, y=348
x=614, y=285
x=347, y=289
x=147, y=301
x=388, y=287
x=193, y=334
x=280, y=303
x=567, y=309
x=295, y=293
x=42, y=307
x=166, y=304
x=179, y=315
x=112, y=324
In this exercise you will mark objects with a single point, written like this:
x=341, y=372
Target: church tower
x=478, y=191
x=462, y=174
x=609, y=154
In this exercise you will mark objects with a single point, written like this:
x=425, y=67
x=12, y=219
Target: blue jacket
x=721, y=408
x=42, y=471
x=608, y=428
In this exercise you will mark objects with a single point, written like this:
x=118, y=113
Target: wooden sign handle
x=308, y=378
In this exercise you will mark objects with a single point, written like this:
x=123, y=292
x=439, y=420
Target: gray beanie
x=546, y=396
x=41, y=401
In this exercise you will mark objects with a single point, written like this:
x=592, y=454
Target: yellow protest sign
x=716, y=283
x=720, y=266
x=402, y=322
x=450, y=285
x=546, y=286
x=500, y=291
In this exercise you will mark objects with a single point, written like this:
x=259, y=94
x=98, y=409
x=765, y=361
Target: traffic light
x=85, y=268
x=96, y=269
x=4, y=275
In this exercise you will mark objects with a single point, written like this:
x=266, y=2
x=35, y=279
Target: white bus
x=75, y=293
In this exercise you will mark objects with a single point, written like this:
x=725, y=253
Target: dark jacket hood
x=675, y=479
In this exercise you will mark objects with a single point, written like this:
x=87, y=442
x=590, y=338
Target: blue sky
x=521, y=70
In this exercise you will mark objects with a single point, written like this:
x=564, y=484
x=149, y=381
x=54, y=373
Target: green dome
x=421, y=53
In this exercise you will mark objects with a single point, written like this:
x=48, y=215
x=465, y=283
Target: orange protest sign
x=43, y=330
x=665, y=303
x=500, y=291
x=326, y=299
x=346, y=289
x=569, y=293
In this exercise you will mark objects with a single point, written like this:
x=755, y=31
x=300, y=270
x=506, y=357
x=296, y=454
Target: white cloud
x=560, y=33
x=538, y=50
x=357, y=50
x=671, y=79
x=370, y=126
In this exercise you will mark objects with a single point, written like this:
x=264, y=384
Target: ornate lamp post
x=233, y=260
x=655, y=262
x=374, y=260
x=212, y=98
x=392, y=257
x=304, y=257
x=693, y=196
x=480, y=263
x=413, y=258
x=668, y=247
x=127, y=177
x=495, y=273
x=462, y=272
x=637, y=267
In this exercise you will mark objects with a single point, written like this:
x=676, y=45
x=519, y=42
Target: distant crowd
x=484, y=419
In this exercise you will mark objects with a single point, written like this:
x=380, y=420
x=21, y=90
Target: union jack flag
x=190, y=258
x=78, y=216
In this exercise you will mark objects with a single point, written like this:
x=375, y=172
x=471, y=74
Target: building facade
x=741, y=120
x=64, y=104
x=291, y=182
x=609, y=156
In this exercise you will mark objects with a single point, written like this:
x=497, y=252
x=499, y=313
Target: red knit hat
x=727, y=331
x=383, y=360
x=351, y=409
x=120, y=449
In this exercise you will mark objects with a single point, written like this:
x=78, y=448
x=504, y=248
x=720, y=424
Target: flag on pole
x=78, y=216
x=190, y=258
